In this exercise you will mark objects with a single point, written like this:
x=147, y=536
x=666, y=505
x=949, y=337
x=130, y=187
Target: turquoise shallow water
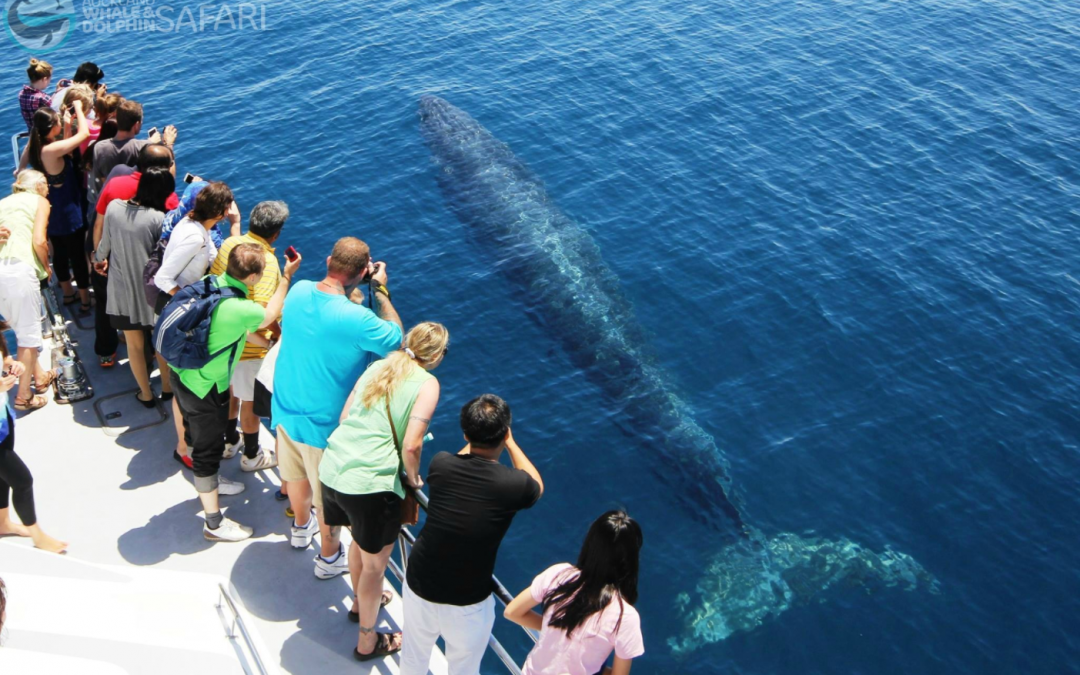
x=848, y=228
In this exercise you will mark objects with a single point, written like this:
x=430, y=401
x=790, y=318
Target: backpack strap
x=209, y=288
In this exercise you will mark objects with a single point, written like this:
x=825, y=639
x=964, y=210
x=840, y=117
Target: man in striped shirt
x=264, y=227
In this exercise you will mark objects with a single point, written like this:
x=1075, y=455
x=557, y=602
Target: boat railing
x=406, y=539
x=225, y=601
x=15, y=150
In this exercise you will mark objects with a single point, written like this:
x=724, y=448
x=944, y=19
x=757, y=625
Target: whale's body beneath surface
x=559, y=268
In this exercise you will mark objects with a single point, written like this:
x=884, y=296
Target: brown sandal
x=387, y=596
x=50, y=377
x=33, y=403
x=383, y=647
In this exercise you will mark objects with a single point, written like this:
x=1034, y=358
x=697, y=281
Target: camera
x=366, y=279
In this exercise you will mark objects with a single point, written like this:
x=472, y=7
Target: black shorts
x=373, y=519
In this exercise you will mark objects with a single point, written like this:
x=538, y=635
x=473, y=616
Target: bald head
x=154, y=154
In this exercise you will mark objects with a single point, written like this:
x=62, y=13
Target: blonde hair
x=105, y=106
x=38, y=70
x=28, y=180
x=79, y=92
x=427, y=341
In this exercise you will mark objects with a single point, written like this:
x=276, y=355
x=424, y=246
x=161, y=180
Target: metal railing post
x=238, y=622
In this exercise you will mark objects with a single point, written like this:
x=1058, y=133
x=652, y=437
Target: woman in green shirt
x=24, y=263
x=360, y=470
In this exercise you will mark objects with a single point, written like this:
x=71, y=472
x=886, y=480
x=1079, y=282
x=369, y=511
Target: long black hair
x=43, y=122
x=155, y=186
x=608, y=571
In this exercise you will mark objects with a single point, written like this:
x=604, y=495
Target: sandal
x=387, y=596
x=70, y=299
x=50, y=377
x=382, y=647
x=84, y=308
x=33, y=403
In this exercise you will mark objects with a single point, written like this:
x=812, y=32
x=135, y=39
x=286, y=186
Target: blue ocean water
x=849, y=227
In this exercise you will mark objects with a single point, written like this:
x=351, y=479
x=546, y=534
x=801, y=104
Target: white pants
x=20, y=301
x=465, y=630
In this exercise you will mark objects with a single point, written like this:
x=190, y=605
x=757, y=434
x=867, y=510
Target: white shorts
x=20, y=301
x=243, y=379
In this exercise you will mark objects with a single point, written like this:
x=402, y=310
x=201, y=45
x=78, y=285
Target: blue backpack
x=182, y=332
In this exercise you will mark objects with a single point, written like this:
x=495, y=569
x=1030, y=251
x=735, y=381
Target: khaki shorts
x=297, y=461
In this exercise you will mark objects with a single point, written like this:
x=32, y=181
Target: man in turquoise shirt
x=203, y=394
x=327, y=338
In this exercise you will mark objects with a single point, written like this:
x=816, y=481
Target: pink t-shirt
x=593, y=641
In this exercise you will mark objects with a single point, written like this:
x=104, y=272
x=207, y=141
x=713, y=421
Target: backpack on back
x=182, y=332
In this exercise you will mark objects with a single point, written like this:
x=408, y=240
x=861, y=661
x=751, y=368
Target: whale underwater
x=558, y=267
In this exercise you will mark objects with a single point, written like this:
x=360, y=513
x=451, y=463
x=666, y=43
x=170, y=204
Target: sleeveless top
x=360, y=456
x=65, y=197
x=17, y=213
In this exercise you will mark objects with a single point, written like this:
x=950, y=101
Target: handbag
x=150, y=270
x=410, y=508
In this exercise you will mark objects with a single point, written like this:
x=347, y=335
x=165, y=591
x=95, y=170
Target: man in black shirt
x=473, y=500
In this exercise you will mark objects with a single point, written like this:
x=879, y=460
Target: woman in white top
x=188, y=257
x=191, y=251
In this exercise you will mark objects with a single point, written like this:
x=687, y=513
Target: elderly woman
x=131, y=230
x=24, y=263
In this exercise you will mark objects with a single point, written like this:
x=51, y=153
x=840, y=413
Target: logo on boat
x=39, y=26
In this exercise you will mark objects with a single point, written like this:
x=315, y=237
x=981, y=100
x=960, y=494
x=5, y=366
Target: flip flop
x=33, y=403
x=387, y=596
x=382, y=647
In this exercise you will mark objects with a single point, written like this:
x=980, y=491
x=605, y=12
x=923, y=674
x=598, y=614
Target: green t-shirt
x=360, y=456
x=232, y=320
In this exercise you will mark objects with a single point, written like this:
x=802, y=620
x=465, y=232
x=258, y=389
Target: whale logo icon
x=39, y=26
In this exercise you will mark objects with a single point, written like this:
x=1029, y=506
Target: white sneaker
x=230, y=530
x=329, y=570
x=266, y=459
x=228, y=487
x=231, y=450
x=301, y=536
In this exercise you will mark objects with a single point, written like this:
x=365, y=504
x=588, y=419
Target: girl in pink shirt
x=588, y=608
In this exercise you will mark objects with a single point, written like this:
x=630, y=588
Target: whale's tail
x=744, y=586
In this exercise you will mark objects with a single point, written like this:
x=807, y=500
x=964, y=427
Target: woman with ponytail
x=16, y=482
x=588, y=608
x=381, y=434
x=50, y=152
x=33, y=95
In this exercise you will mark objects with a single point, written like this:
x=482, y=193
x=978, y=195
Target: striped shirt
x=261, y=292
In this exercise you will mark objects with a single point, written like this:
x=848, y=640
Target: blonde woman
x=381, y=433
x=24, y=263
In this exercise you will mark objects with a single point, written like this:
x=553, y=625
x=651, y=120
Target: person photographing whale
x=327, y=338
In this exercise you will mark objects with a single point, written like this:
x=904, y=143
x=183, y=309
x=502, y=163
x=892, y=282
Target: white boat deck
x=138, y=590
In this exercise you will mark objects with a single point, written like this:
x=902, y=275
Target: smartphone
x=189, y=177
x=291, y=254
x=153, y=130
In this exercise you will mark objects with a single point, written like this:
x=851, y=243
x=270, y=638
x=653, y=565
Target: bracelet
x=379, y=288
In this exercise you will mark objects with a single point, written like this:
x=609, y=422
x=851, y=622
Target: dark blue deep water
x=849, y=228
